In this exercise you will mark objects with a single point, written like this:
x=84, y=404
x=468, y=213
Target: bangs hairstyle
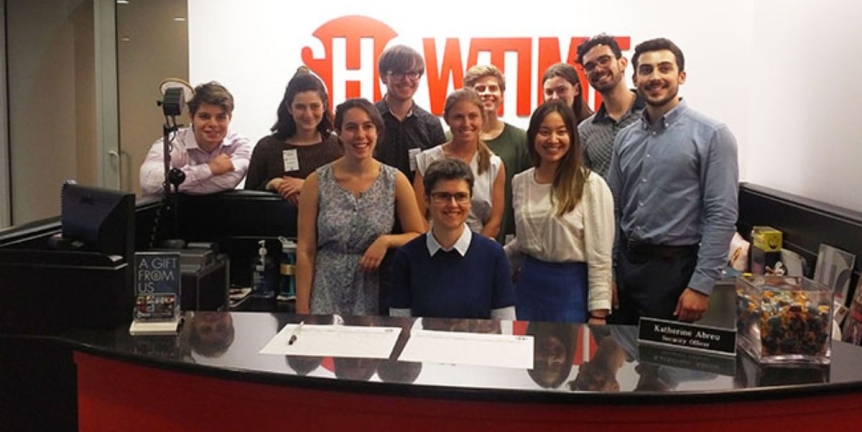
x=570, y=74
x=211, y=93
x=469, y=95
x=364, y=105
x=477, y=73
x=447, y=169
x=302, y=81
x=570, y=176
x=400, y=59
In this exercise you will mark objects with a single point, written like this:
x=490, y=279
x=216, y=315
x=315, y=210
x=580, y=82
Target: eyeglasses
x=412, y=75
x=602, y=61
x=446, y=197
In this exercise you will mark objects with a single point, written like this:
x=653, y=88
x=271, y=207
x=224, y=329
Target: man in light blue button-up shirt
x=674, y=176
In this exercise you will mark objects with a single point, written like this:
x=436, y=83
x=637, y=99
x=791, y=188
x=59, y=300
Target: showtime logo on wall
x=357, y=34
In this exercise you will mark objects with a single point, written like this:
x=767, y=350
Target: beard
x=605, y=87
x=659, y=101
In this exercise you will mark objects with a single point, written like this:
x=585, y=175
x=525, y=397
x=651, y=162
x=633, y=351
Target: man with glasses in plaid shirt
x=604, y=66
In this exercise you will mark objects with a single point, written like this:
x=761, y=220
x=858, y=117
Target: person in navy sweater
x=450, y=272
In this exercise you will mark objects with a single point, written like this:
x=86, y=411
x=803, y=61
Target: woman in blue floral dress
x=346, y=213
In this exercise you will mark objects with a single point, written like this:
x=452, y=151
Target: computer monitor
x=103, y=220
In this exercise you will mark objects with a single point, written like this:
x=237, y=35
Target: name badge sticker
x=411, y=154
x=291, y=160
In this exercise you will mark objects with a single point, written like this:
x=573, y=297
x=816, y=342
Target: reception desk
x=212, y=377
x=44, y=294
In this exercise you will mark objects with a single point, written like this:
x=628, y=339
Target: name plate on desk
x=687, y=336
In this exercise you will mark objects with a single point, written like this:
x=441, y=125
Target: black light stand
x=171, y=104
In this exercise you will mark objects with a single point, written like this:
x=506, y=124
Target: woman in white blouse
x=465, y=115
x=564, y=226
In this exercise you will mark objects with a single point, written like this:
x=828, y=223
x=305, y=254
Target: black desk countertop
x=572, y=363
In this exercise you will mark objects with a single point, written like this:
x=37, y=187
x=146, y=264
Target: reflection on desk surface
x=566, y=357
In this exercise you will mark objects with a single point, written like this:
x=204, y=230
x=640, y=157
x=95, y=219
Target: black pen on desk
x=295, y=333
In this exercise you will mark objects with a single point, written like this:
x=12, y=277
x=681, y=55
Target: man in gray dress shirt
x=674, y=176
x=605, y=67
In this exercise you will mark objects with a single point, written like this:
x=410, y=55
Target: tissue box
x=784, y=319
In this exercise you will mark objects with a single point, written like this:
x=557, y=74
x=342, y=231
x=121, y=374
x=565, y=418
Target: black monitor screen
x=102, y=219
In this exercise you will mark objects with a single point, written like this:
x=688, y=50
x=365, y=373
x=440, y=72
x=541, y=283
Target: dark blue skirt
x=552, y=291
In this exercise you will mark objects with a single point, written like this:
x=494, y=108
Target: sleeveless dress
x=346, y=225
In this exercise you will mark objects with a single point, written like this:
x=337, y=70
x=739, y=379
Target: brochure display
x=784, y=319
x=834, y=269
x=157, y=293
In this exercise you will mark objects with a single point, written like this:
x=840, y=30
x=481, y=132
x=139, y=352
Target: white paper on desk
x=335, y=341
x=469, y=348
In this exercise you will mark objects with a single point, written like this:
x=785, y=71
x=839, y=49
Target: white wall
x=267, y=37
x=750, y=64
x=781, y=73
x=805, y=107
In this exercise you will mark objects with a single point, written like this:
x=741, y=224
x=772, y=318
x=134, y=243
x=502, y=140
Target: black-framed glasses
x=446, y=197
x=411, y=75
x=602, y=61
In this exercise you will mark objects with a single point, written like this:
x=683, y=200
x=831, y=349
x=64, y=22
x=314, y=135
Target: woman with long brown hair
x=302, y=139
x=465, y=115
x=564, y=226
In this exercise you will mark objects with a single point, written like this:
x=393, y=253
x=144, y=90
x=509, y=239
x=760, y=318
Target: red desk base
x=118, y=396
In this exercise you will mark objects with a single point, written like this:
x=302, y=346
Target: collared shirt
x=597, y=134
x=461, y=245
x=675, y=182
x=470, y=280
x=419, y=130
x=193, y=161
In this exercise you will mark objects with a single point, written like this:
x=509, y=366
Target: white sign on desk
x=334, y=341
x=469, y=348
